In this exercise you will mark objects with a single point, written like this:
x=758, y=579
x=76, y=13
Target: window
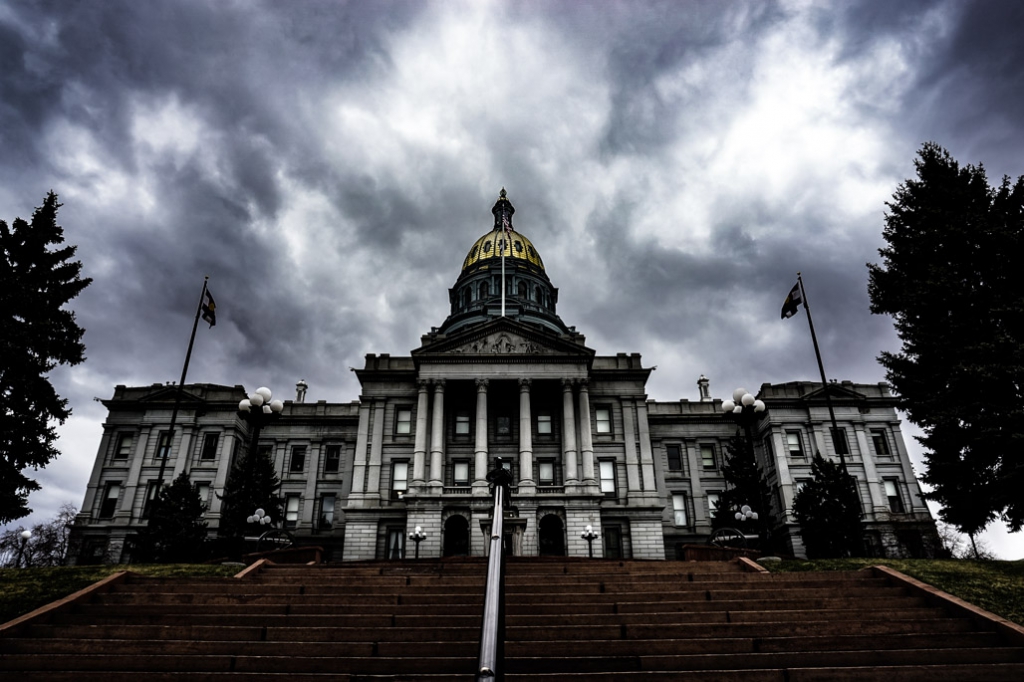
x=543, y=423
x=298, y=461
x=892, y=492
x=485, y=290
x=462, y=424
x=793, y=444
x=839, y=442
x=546, y=472
x=326, y=521
x=109, y=504
x=291, y=511
x=403, y=420
x=679, y=509
x=163, y=445
x=603, y=419
x=460, y=472
x=800, y=484
x=675, y=457
x=124, y=445
x=503, y=426
x=713, y=501
x=521, y=289
x=332, y=459
x=399, y=479
x=147, y=504
x=209, y=450
x=607, y=477
x=707, y=456
x=395, y=543
x=203, y=490
x=881, y=443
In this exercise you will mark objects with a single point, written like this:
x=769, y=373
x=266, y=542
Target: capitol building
x=502, y=376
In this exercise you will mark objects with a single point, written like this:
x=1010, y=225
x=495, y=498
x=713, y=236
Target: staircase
x=567, y=618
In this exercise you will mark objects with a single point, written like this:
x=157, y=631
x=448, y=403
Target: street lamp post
x=25, y=535
x=589, y=534
x=418, y=536
x=745, y=409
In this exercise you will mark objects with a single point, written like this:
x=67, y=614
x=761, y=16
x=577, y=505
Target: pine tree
x=951, y=285
x=176, y=532
x=37, y=333
x=828, y=511
x=747, y=485
x=252, y=484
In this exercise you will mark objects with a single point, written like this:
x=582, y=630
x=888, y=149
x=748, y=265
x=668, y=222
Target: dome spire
x=503, y=210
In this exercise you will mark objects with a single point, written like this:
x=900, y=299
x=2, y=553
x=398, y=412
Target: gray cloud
x=329, y=164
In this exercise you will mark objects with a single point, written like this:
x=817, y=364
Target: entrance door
x=552, y=536
x=456, y=536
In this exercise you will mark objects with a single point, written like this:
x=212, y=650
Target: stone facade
x=583, y=442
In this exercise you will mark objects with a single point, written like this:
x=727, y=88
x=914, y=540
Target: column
x=437, y=436
x=569, y=436
x=93, y=488
x=419, y=457
x=480, y=449
x=359, y=461
x=870, y=473
x=526, y=482
x=376, y=445
x=310, y=504
x=131, y=485
x=629, y=442
x=184, y=452
x=223, y=467
x=586, y=438
x=646, y=456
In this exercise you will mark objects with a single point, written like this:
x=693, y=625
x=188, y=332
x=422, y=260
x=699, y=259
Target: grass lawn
x=26, y=589
x=996, y=586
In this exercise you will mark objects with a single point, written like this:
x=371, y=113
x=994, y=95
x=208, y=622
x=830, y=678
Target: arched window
x=537, y=296
x=485, y=290
x=467, y=296
x=523, y=290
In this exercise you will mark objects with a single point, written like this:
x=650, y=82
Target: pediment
x=503, y=338
x=169, y=394
x=837, y=391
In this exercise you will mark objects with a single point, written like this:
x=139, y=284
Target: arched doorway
x=456, y=536
x=552, y=536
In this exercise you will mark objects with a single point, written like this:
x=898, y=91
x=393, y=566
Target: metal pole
x=837, y=442
x=181, y=387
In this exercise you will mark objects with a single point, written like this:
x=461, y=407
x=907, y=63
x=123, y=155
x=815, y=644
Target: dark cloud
x=328, y=165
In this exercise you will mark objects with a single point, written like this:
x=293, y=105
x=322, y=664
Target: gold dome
x=492, y=243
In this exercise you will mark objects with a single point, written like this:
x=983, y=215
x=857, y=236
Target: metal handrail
x=491, y=661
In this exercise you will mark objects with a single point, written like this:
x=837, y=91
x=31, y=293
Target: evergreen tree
x=950, y=283
x=176, y=532
x=37, y=333
x=252, y=484
x=747, y=485
x=828, y=511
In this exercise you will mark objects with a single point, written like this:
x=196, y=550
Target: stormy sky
x=329, y=164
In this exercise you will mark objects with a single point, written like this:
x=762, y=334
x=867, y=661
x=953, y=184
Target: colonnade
x=428, y=472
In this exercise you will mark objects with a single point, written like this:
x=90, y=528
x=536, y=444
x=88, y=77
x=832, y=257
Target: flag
x=507, y=229
x=793, y=301
x=209, y=309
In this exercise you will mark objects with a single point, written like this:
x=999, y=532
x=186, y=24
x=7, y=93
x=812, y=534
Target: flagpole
x=837, y=443
x=181, y=385
x=504, y=242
